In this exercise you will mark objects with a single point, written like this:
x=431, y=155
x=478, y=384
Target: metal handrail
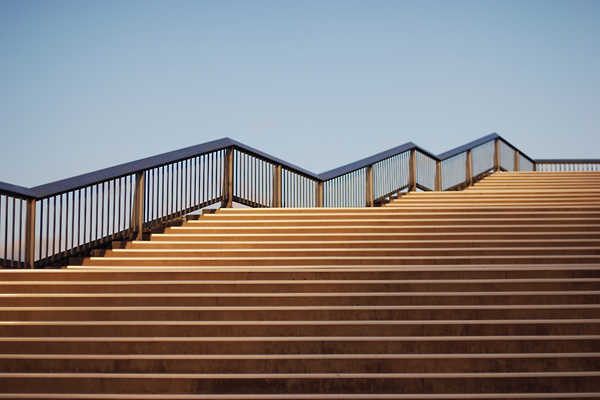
x=44, y=224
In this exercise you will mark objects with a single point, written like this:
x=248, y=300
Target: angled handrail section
x=43, y=225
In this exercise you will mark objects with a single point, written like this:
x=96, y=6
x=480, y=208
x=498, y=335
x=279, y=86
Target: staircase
x=488, y=293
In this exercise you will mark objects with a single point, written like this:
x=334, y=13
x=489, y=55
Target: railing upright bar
x=516, y=160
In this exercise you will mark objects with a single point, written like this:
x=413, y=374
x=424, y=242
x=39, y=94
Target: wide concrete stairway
x=488, y=293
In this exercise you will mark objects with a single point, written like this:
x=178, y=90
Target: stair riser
x=352, y=385
x=394, y=330
x=55, y=277
x=317, y=365
x=295, y=315
x=317, y=300
x=275, y=287
x=516, y=344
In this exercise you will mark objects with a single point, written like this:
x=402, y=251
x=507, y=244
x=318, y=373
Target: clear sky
x=86, y=85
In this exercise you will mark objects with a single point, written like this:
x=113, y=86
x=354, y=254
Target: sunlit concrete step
x=450, y=227
x=266, y=363
x=227, y=260
x=291, y=313
x=539, y=237
x=332, y=383
x=422, y=220
x=399, y=213
x=348, y=244
x=146, y=329
x=345, y=251
x=460, y=344
x=304, y=286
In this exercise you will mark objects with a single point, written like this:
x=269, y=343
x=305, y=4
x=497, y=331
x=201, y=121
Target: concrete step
x=345, y=251
x=302, y=286
x=292, y=313
x=300, y=364
x=329, y=383
x=340, y=260
x=391, y=328
x=459, y=344
x=283, y=299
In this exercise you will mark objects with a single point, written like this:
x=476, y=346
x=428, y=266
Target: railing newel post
x=412, y=171
x=469, y=168
x=369, y=186
x=228, y=179
x=277, y=186
x=438, y=176
x=496, y=155
x=320, y=200
x=29, y=259
x=138, y=200
x=517, y=160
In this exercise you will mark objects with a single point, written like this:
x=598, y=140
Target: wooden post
x=369, y=186
x=319, y=201
x=412, y=171
x=227, y=201
x=438, y=176
x=30, y=234
x=497, y=155
x=277, y=186
x=138, y=205
x=517, y=166
x=469, y=169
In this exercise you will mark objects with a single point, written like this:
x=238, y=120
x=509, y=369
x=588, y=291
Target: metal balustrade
x=46, y=224
x=567, y=165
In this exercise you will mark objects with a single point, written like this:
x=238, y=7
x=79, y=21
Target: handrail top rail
x=84, y=180
x=354, y=166
x=471, y=145
x=568, y=160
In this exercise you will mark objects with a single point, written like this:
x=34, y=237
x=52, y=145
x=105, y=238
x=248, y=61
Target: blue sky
x=86, y=85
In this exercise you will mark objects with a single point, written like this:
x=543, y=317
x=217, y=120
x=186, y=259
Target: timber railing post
x=30, y=234
x=412, y=171
x=319, y=201
x=277, y=186
x=227, y=201
x=369, y=186
x=438, y=176
x=138, y=201
x=516, y=160
x=469, y=168
x=497, y=155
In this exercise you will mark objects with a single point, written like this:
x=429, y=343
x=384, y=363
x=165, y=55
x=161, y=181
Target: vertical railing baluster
x=29, y=235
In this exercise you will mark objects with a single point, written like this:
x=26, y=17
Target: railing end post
x=30, y=234
x=227, y=201
x=369, y=186
x=319, y=201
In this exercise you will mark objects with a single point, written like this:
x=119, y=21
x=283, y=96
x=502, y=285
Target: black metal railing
x=46, y=224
